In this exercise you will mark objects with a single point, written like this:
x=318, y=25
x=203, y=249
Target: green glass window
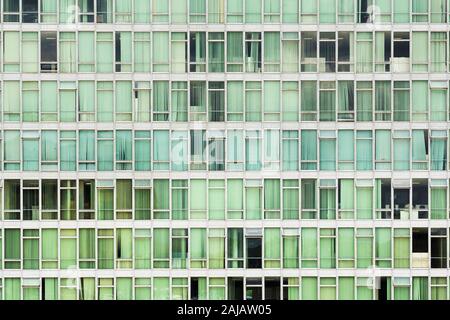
x=327, y=101
x=48, y=11
x=364, y=248
x=216, y=51
x=290, y=249
x=49, y=101
x=198, y=248
x=327, y=147
x=327, y=10
x=290, y=9
x=86, y=245
x=253, y=101
x=383, y=250
x=309, y=247
x=383, y=155
x=235, y=248
x=12, y=249
x=142, y=52
x=272, y=51
x=124, y=150
x=86, y=51
x=67, y=52
x=401, y=101
x=290, y=150
x=346, y=287
x=160, y=52
x=216, y=248
x=419, y=11
x=160, y=11
x=123, y=52
x=401, y=248
x=30, y=150
x=364, y=52
x=346, y=248
x=308, y=11
x=11, y=46
x=235, y=199
x=105, y=202
x=346, y=153
x=160, y=248
x=253, y=10
x=49, y=249
x=272, y=199
x=197, y=11
x=327, y=197
x=142, y=200
x=11, y=101
x=272, y=10
x=68, y=248
x=30, y=51
x=401, y=146
x=438, y=202
x=180, y=199
x=124, y=248
x=105, y=52
x=86, y=150
x=420, y=102
x=105, y=247
x=401, y=11
x=291, y=198
x=272, y=248
x=309, y=149
x=346, y=199
x=142, y=11
x=309, y=100
x=235, y=51
x=124, y=199
x=216, y=199
x=124, y=289
x=235, y=11
x=142, y=248
x=364, y=150
x=66, y=11
x=160, y=199
x=253, y=200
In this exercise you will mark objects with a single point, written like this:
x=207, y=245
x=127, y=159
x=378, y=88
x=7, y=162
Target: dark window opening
x=327, y=52
x=344, y=52
x=401, y=45
x=29, y=11
x=87, y=11
x=48, y=52
x=253, y=290
x=103, y=12
x=385, y=199
x=235, y=289
x=419, y=240
x=420, y=199
x=438, y=248
x=272, y=289
x=194, y=288
x=363, y=14
x=383, y=288
x=401, y=204
x=254, y=253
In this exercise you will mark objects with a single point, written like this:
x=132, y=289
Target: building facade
x=224, y=149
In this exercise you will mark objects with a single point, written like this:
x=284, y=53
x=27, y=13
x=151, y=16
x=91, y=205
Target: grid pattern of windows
x=224, y=149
